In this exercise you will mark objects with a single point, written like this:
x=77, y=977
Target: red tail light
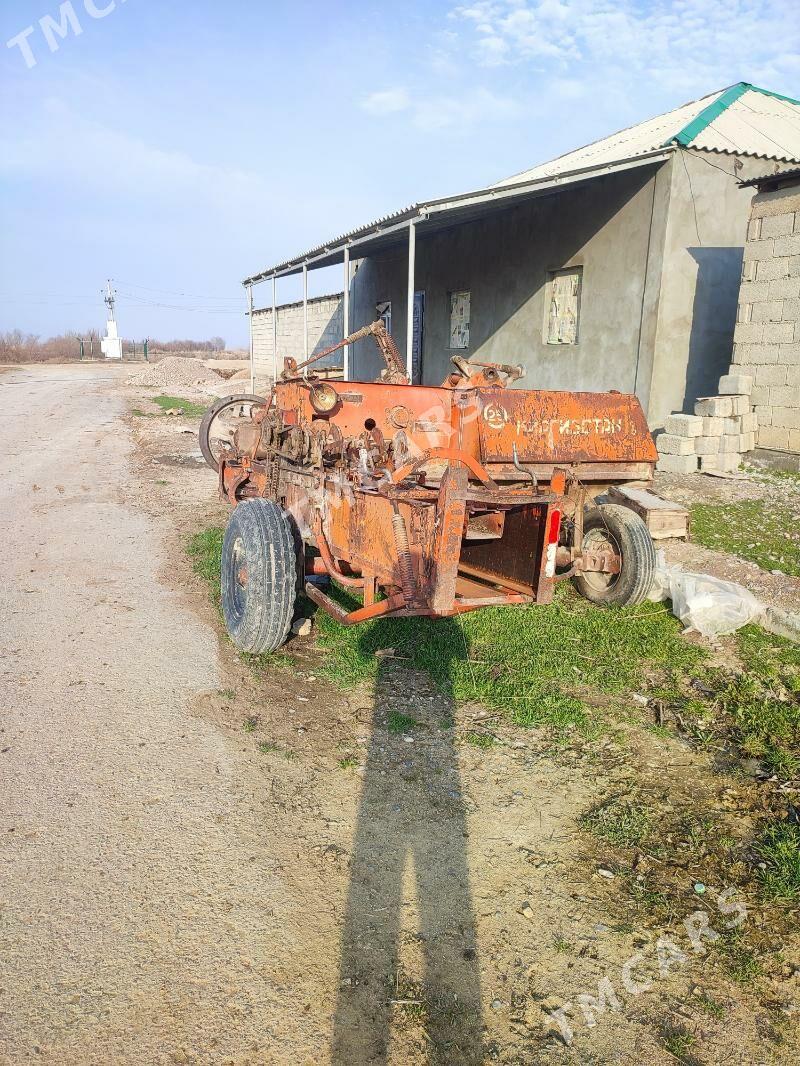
x=553, y=530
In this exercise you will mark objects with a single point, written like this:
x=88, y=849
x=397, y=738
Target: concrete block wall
x=325, y=323
x=767, y=335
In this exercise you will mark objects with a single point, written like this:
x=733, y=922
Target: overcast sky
x=178, y=147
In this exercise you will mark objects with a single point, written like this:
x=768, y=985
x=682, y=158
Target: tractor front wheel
x=259, y=576
x=623, y=531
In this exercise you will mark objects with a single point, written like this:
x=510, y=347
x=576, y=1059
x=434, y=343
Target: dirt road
x=135, y=876
x=203, y=865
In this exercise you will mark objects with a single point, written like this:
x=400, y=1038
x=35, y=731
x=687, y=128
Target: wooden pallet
x=663, y=518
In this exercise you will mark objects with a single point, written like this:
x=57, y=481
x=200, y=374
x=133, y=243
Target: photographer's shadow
x=410, y=829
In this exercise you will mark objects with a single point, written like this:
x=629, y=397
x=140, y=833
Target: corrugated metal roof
x=741, y=119
x=774, y=178
x=627, y=144
x=755, y=123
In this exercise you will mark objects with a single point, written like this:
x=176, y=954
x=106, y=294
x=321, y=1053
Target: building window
x=459, y=319
x=384, y=312
x=563, y=306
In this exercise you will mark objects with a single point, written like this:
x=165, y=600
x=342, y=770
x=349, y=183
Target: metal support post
x=412, y=248
x=252, y=358
x=274, y=329
x=346, y=313
x=305, y=310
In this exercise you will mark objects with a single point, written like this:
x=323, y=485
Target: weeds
x=620, y=822
x=484, y=741
x=678, y=1043
x=250, y=723
x=738, y=960
x=710, y=1006
x=764, y=534
x=349, y=762
x=779, y=848
x=268, y=747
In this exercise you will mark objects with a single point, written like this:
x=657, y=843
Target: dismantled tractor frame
x=423, y=500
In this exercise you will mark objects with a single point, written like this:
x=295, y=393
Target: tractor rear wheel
x=219, y=422
x=259, y=576
x=623, y=531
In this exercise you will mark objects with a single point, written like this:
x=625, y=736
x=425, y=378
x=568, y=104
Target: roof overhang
x=774, y=180
x=443, y=213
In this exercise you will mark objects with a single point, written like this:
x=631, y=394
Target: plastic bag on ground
x=709, y=605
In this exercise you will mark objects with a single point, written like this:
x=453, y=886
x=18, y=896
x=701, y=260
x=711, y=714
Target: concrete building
x=323, y=324
x=616, y=266
x=767, y=337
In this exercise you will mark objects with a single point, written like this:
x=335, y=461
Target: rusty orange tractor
x=422, y=500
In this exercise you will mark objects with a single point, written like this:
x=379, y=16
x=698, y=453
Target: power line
x=175, y=292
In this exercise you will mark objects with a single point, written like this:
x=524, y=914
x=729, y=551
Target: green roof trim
x=708, y=114
x=722, y=103
x=766, y=92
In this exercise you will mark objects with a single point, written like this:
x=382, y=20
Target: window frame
x=385, y=316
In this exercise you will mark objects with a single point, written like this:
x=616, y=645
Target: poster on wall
x=564, y=308
x=459, y=319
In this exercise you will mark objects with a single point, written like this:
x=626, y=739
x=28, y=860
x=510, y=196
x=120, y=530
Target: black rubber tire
x=259, y=609
x=211, y=414
x=631, y=537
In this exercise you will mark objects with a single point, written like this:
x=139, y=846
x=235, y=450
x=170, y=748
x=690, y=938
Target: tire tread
x=272, y=576
x=639, y=579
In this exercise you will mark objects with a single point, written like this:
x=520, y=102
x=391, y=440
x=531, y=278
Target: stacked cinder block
x=714, y=438
x=767, y=336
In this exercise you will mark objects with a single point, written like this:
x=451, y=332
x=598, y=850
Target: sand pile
x=176, y=372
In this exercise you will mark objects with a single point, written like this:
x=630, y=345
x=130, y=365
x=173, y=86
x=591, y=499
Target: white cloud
x=386, y=102
x=682, y=45
x=441, y=110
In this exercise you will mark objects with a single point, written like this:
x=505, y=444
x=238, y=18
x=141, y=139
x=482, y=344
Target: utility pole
x=111, y=345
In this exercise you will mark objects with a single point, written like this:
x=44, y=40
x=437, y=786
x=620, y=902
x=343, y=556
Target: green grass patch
x=268, y=747
x=779, y=848
x=484, y=741
x=710, y=1006
x=536, y=664
x=205, y=551
x=400, y=723
x=679, y=1043
x=177, y=403
x=533, y=663
x=763, y=704
x=738, y=960
x=619, y=821
x=349, y=762
x=763, y=531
